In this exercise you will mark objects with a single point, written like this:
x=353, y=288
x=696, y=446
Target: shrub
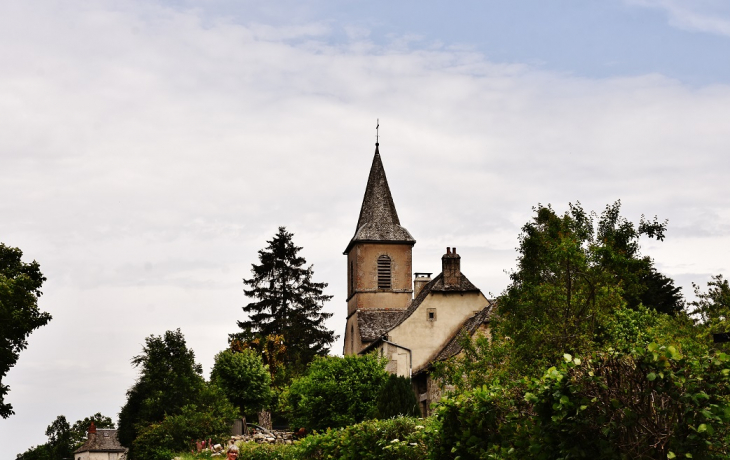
x=401, y=438
x=335, y=392
x=649, y=403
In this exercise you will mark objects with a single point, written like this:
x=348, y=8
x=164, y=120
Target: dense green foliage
x=648, y=403
x=573, y=272
x=253, y=451
x=20, y=288
x=396, y=398
x=64, y=439
x=209, y=418
x=169, y=380
x=335, y=392
x=401, y=438
x=288, y=304
x=244, y=379
x=645, y=383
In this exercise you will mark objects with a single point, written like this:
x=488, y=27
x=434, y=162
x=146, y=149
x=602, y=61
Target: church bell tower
x=379, y=259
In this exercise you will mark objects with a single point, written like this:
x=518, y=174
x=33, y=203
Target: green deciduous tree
x=209, y=417
x=244, y=380
x=63, y=439
x=288, y=303
x=713, y=307
x=169, y=379
x=20, y=288
x=336, y=392
x=573, y=271
x=80, y=429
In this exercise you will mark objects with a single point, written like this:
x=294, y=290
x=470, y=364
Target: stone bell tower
x=379, y=259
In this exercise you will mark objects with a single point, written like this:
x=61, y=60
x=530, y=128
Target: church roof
x=378, y=221
x=103, y=440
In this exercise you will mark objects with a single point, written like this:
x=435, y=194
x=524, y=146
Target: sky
x=149, y=149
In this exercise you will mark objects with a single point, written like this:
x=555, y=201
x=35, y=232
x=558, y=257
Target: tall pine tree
x=287, y=304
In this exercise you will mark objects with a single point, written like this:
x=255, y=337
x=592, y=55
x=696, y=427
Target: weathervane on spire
x=377, y=125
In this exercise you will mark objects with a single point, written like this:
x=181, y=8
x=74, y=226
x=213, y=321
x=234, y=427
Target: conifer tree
x=287, y=303
x=396, y=398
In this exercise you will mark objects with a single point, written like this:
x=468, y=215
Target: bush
x=649, y=403
x=253, y=451
x=401, y=438
x=335, y=392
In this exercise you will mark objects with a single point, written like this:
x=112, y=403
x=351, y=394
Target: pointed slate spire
x=378, y=221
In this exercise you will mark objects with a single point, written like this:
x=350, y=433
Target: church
x=413, y=320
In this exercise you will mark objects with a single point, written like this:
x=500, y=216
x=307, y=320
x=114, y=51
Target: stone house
x=412, y=321
x=101, y=444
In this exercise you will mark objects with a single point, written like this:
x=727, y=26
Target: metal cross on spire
x=377, y=126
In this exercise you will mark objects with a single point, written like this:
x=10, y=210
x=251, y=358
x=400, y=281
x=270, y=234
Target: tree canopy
x=169, y=379
x=336, y=392
x=573, y=271
x=244, y=380
x=64, y=439
x=287, y=304
x=20, y=288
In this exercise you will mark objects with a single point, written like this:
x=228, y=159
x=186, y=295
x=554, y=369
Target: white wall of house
x=426, y=335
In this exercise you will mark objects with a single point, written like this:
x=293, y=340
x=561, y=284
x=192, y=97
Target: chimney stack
x=451, y=268
x=421, y=280
x=92, y=428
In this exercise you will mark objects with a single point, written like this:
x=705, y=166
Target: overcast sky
x=148, y=149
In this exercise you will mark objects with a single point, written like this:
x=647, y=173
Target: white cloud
x=711, y=16
x=148, y=153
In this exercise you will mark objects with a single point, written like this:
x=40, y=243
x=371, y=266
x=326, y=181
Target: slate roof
x=378, y=221
x=374, y=323
x=104, y=440
x=380, y=328
x=453, y=346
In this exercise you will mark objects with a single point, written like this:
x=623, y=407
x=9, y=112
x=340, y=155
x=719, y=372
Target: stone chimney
x=451, y=268
x=421, y=280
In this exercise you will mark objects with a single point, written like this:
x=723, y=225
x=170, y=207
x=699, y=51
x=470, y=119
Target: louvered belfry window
x=384, y=276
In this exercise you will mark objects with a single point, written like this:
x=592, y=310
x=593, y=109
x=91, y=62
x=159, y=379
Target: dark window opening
x=352, y=279
x=432, y=314
x=384, y=272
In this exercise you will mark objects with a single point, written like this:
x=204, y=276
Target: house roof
x=435, y=285
x=454, y=346
x=378, y=221
x=374, y=323
x=104, y=440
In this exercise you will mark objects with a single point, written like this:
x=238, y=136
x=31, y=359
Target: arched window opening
x=352, y=339
x=352, y=279
x=384, y=272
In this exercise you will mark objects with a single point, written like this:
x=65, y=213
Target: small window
x=432, y=314
x=384, y=272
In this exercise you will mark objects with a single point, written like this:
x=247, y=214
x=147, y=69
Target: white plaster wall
x=426, y=337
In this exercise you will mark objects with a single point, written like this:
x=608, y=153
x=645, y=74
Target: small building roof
x=378, y=221
x=374, y=323
x=103, y=440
